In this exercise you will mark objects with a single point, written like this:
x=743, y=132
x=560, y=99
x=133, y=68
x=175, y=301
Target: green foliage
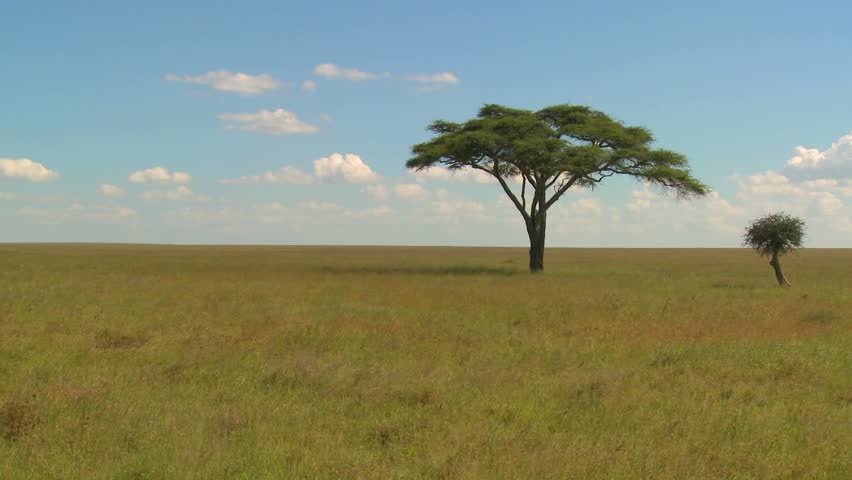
x=557, y=147
x=775, y=233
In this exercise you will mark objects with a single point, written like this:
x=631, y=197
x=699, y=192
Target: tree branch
x=564, y=188
x=521, y=208
x=527, y=175
x=555, y=178
x=603, y=175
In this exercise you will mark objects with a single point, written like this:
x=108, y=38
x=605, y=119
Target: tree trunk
x=779, y=273
x=535, y=229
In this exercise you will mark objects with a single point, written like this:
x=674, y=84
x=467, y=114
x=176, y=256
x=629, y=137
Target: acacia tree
x=775, y=234
x=550, y=151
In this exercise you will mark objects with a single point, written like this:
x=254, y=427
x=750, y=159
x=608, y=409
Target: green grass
x=297, y=362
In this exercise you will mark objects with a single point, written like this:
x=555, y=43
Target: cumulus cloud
x=657, y=218
x=435, y=81
x=378, y=192
x=452, y=207
x=772, y=190
x=159, y=175
x=181, y=193
x=836, y=161
x=641, y=199
x=309, y=86
x=426, y=82
x=406, y=191
x=444, y=77
x=226, y=81
x=25, y=169
x=410, y=191
x=285, y=174
x=332, y=71
x=336, y=168
x=272, y=122
x=722, y=219
x=466, y=175
x=590, y=205
x=766, y=183
x=108, y=190
x=348, y=168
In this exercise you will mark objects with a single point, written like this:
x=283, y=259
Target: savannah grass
x=123, y=361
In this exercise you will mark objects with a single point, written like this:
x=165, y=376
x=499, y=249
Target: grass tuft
x=108, y=339
x=416, y=398
x=17, y=417
x=821, y=316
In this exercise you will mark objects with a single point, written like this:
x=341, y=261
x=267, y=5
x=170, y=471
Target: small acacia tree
x=775, y=234
x=550, y=151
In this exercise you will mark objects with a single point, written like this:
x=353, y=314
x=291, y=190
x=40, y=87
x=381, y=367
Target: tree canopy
x=774, y=234
x=552, y=150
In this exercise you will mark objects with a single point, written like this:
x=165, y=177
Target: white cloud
x=25, y=169
x=108, y=190
x=298, y=216
x=444, y=77
x=195, y=216
x=373, y=212
x=641, y=199
x=410, y=191
x=439, y=205
x=655, y=219
x=773, y=191
x=330, y=70
x=835, y=161
x=378, y=192
x=226, y=81
x=309, y=86
x=822, y=183
x=467, y=175
x=579, y=217
x=274, y=122
x=80, y=212
x=276, y=212
x=159, y=176
x=336, y=168
x=828, y=203
x=7, y=196
x=427, y=82
x=435, y=81
x=591, y=205
x=717, y=219
x=348, y=168
x=181, y=193
x=453, y=207
x=285, y=174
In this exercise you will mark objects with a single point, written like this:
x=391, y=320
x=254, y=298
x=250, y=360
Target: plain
x=134, y=361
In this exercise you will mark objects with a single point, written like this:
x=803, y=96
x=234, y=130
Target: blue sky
x=94, y=92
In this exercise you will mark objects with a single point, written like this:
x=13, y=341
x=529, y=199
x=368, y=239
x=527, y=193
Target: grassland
x=446, y=363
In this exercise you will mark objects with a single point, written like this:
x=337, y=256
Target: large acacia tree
x=550, y=151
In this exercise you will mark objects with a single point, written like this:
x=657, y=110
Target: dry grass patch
x=108, y=339
x=17, y=417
